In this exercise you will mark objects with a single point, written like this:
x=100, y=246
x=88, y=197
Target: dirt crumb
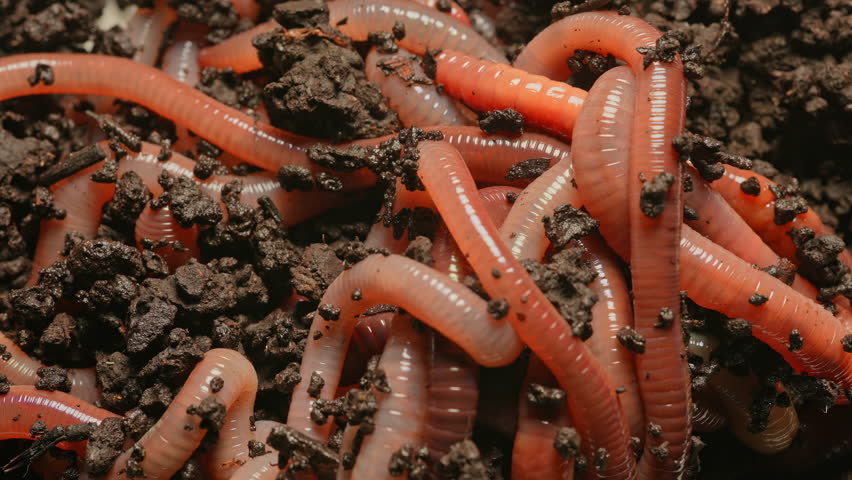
x=506, y=120
x=528, y=169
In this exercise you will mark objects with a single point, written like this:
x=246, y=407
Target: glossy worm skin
x=486, y=85
x=455, y=12
x=759, y=212
x=82, y=199
x=593, y=406
x=180, y=60
x=735, y=395
x=718, y=221
x=533, y=455
x=168, y=445
x=707, y=413
x=401, y=415
x=23, y=405
x=416, y=103
x=453, y=310
x=257, y=143
x=523, y=230
x=453, y=376
x=601, y=146
x=21, y=369
x=425, y=29
x=658, y=117
x=719, y=280
x=146, y=30
x=611, y=313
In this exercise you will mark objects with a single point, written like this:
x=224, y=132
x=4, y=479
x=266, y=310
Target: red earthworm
x=523, y=230
x=611, y=313
x=146, y=30
x=722, y=224
x=453, y=376
x=264, y=466
x=717, y=279
x=707, y=413
x=368, y=339
x=82, y=199
x=455, y=311
x=759, y=211
x=533, y=454
x=487, y=85
x=22, y=405
x=255, y=142
x=455, y=11
x=401, y=415
x=453, y=394
x=601, y=150
x=594, y=408
x=180, y=60
x=425, y=29
x=21, y=369
x=601, y=146
x=658, y=118
x=168, y=444
x=410, y=93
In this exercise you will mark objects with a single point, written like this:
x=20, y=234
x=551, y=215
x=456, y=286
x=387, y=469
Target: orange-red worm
x=594, y=408
x=658, y=118
x=759, y=211
x=425, y=29
x=23, y=405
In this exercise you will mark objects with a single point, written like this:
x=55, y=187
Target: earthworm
x=594, y=408
x=425, y=29
x=523, y=230
x=146, y=30
x=722, y=224
x=180, y=59
x=255, y=142
x=21, y=369
x=707, y=413
x=611, y=313
x=453, y=310
x=533, y=454
x=82, y=199
x=719, y=280
x=453, y=376
x=455, y=11
x=23, y=405
x=410, y=93
x=168, y=444
x=735, y=393
x=401, y=415
x=487, y=85
x=368, y=339
x=601, y=149
x=453, y=394
x=601, y=146
x=759, y=211
x=658, y=117
x=264, y=466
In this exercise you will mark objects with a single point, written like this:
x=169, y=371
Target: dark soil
x=777, y=87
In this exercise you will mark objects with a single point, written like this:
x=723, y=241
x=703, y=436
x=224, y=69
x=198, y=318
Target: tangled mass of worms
x=581, y=254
